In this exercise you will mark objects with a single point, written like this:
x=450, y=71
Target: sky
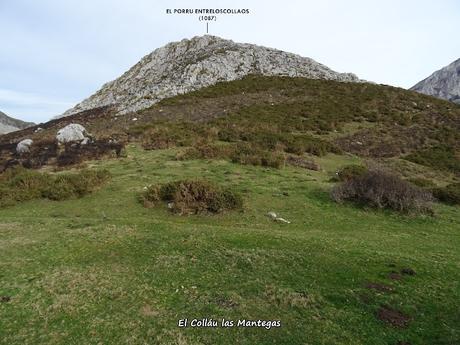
x=55, y=53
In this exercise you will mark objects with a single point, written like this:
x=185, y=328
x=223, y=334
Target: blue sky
x=55, y=53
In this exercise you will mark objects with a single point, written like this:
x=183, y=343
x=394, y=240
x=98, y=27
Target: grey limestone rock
x=72, y=133
x=444, y=84
x=24, y=146
x=191, y=64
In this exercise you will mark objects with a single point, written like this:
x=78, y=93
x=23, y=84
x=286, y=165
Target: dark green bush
x=67, y=186
x=350, y=171
x=379, y=189
x=440, y=158
x=205, y=151
x=245, y=153
x=193, y=197
x=449, y=194
x=19, y=184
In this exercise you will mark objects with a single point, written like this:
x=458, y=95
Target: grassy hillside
x=98, y=267
x=104, y=269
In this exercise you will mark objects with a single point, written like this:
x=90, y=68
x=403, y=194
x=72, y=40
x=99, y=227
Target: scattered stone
x=274, y=217
x=24, y=146
x=72, y=133
x=39, y=129
x=393, y=317
x=86, y=141
x=134, y=119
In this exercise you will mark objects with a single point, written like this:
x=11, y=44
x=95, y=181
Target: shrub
x=350, y=171
x=193, y=197
x=382, y=190
x=67, y=186
x=245, y=153
x=449, y=194
x=19, y=184
x=440, y=158
x=205, y=151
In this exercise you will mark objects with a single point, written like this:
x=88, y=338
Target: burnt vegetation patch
x=48, y=152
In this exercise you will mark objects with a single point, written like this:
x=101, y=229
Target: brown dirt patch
x=379, y=287
x=5, y=299
x=148, y=310
x=393, y=317
x=395, y=276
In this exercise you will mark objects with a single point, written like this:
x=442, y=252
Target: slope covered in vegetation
x=103, y=268
x=258, y=236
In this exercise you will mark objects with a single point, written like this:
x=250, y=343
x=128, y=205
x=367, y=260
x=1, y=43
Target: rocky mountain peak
x=444, y=83
x=192, y=64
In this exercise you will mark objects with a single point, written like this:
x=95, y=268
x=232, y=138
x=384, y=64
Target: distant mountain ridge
x=9, y=124
x=444, y=84
x=192, y=64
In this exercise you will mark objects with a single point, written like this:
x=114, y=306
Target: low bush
x=444, y=158
x=193, y=197
x=350, y=171
x=379, y=189
x=449, y=194
x=251, y=155
x=19, y=184
x=205, y=151
x=67, y=186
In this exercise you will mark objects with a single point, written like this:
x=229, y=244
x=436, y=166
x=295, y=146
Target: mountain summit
x=444, y=83
x=192, y=64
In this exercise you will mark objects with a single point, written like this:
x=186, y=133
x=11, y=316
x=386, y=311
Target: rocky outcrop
x=72, y=133
x=8, y=124
x=444, y=84
x=189, y=65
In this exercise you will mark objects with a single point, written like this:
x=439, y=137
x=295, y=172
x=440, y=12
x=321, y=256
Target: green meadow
x=103, y=269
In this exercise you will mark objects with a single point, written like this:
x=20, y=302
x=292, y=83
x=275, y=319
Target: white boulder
x=24, y=146
x=72, y=133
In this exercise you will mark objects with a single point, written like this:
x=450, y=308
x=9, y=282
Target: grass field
x=103, y=269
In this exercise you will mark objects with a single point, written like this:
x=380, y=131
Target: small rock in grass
x=272, y=215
